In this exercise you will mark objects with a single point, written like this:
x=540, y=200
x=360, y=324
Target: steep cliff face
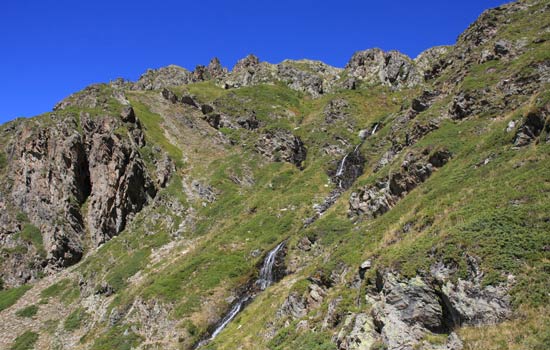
x=393, y=204
x=77, y=177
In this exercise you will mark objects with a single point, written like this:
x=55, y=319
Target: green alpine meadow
x=395, y=203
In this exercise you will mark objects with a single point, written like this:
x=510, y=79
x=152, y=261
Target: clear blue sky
x=51, y=48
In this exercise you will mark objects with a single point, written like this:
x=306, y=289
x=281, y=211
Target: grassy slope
x=498, y=212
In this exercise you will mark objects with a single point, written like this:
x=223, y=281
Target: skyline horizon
x=74, y=53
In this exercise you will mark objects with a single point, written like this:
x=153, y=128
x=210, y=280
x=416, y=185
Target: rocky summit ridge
x=395, y=203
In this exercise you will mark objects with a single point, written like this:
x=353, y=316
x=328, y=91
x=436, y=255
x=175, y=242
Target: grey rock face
x=389, y=68
x=415, y=301
x=471, y=305
x=311, y=77
x=282, y=145
x=169, y=95
x=358, y=333
x=250, y=61
x=431, y=62
x=59, y=168
x=463, y=106
x=424, y=101
x=375, y=200
x=300, y=80
x=214, y=71
x=502, y=47
x=534, y=123
x=297, y=306
x=155, y=79
x=117, y=176
x=404, y=311
x=248, y=71
x=335, y=110
x=51, y=176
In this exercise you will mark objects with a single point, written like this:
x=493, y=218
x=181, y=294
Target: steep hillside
x=396, y=203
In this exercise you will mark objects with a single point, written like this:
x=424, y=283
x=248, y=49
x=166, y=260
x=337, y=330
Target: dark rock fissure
x=451, y=319
x=85, y=182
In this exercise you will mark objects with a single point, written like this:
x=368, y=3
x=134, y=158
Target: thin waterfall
x=266, y=272
x=342, y=166
x=265, y=279
x=374, y=129
x=344, y=177
x=340, y=170
x=239, y=305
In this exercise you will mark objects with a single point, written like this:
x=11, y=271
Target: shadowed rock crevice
x=534, y=123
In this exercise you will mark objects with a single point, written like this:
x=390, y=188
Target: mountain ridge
x=412, y=196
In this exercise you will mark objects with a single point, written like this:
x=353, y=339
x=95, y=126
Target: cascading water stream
x=349, y=169
x=342, y=167
x=374, y=129
x=265, y=279
x=266, y=272
x=340, y=170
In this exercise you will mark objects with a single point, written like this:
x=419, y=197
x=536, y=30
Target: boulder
x=156, y=79
x=533, y=124
x=281, y=145
x=392, y=68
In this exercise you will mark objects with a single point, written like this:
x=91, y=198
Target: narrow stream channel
x=265, y=279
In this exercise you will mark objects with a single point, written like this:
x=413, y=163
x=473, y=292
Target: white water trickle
x=374, y=129
x=266, y=272
x=264, y=280
x=229, y=317
x=340, y=170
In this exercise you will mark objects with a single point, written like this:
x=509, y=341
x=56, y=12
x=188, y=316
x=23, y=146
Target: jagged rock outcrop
x=432, y=61
x=535, y=122
x=391, y=68
x=297, y=306
x=405, y=310
x=248, y=71
x=214, y=71
x=58, y=170
x=120, y=184
x=281, y=145
x=50, y=177
x=375, y=200
x=463, y=106
x=300, y=80
x=155, y=79
x=311, y=77
x=424, y=101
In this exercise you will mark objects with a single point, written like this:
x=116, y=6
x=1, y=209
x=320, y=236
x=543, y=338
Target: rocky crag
x=412, y=197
